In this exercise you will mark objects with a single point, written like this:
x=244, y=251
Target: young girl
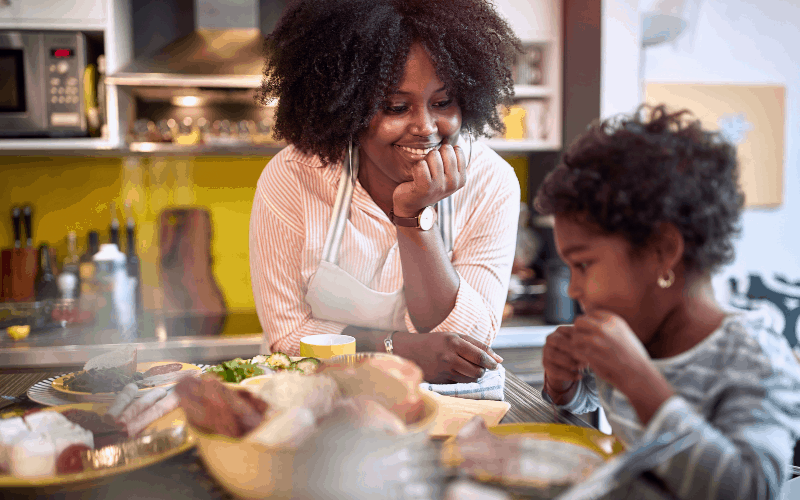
x=645, y=209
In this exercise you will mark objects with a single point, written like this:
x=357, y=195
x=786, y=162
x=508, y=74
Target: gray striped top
x=740, y=389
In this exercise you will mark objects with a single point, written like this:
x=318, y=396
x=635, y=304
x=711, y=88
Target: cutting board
x=455, y=412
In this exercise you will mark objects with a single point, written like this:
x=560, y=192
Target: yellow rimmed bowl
x=252, y=470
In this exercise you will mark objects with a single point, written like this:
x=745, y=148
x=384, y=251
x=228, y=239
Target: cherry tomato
x=69, y=461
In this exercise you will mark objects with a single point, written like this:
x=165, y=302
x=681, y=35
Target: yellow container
x=251, y=470
x=326, y=346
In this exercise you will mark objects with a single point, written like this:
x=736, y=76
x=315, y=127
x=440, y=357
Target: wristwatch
x=423, y=221
x=388, y=343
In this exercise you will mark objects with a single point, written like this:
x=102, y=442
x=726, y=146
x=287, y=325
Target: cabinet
x=53, y=14
x=108, y=24
x=533, y=122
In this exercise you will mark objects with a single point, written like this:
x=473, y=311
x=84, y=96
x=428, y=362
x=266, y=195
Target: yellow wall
x=76, y=194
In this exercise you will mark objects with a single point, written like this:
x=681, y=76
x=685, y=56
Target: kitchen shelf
x=82, y=146
x=166, y=148
x=532, y=91
x=100, y=147
x=521, y=145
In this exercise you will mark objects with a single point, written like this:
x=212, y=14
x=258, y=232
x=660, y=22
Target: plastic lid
x=109, y=251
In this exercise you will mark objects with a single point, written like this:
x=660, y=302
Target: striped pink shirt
x=291, y=211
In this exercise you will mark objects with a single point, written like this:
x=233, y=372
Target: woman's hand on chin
x=446, y=357
x=440, y=174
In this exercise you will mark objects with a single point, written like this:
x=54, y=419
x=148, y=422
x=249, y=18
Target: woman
x=380, y=220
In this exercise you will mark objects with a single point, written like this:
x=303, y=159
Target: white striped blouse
x=288, y=224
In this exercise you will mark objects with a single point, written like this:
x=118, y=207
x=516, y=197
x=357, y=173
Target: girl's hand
x=612, y=350
x=561, y=367
x=446, y=357
x=606, y=343
x=440, y=174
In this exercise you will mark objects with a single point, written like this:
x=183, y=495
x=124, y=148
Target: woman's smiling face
x=418, y=117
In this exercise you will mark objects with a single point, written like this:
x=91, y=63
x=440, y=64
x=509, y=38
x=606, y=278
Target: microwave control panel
x=65, y=63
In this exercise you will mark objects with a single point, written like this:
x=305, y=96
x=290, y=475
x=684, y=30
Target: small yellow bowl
x=327, y=345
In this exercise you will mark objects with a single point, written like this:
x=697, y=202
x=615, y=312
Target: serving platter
x=107, y=397
x=604, y=445
x=566, y=443
x=44, y=393
x=87, y=479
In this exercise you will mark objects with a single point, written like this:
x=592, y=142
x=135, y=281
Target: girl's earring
x=668, y=281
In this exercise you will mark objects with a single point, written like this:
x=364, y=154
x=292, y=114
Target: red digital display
x=62, y=52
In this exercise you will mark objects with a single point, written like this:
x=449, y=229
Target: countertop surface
x=204, y=339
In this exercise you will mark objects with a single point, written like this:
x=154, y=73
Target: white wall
x=731, y=41
x=620, y=37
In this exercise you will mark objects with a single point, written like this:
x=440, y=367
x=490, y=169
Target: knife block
x=24, y=266
x=5, y=275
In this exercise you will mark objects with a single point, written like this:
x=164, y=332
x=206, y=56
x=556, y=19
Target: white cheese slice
x=33, y=456
x=11, y=431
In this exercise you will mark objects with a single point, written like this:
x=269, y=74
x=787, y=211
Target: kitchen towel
x=489, y=386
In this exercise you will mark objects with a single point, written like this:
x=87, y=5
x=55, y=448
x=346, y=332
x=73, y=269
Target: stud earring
x=668, y=281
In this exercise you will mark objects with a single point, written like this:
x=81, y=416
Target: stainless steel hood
x=231, y=58
x=223, y=52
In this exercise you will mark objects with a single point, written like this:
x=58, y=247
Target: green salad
x=239, y=369
x=236, y=370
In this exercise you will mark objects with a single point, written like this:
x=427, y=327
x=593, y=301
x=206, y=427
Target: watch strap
x=403, y=221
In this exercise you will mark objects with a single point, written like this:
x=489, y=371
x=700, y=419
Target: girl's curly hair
x=333, y=63
x=629, y=174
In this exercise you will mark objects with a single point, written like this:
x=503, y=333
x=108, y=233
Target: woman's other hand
x=440, y=174
x=446, y=357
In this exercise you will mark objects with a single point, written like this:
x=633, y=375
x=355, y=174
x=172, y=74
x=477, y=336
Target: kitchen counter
x=211, y=339
x=205, y=339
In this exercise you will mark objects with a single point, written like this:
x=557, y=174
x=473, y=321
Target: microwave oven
x=41, y=84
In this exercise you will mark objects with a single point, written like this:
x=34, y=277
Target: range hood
x=227, y=58
x=224, y=51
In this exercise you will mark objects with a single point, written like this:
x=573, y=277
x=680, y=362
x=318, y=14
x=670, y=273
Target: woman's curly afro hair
x=629, y=174
x=333, y=63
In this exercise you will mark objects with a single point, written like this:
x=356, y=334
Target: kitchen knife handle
x=15, y=217
x=26, y=215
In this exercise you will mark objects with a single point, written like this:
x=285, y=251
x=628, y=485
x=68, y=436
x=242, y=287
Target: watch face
x=426, y=218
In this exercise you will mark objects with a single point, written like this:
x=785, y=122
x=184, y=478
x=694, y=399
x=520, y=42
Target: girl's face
x=413, y=120
x=606, y=275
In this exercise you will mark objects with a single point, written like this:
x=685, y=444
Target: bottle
x=113, y=230
x=45, y=287
x=134, y=267
x=72, y=263
x=111, y=279
x=559, y=307
x=87, y=304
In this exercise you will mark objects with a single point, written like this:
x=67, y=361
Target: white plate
x=43, y=393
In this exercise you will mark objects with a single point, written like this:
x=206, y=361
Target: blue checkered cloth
x=490, y=386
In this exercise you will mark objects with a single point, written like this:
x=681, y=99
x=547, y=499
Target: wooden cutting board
x=455, y=412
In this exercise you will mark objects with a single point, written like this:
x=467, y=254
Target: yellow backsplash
x=73, y=193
